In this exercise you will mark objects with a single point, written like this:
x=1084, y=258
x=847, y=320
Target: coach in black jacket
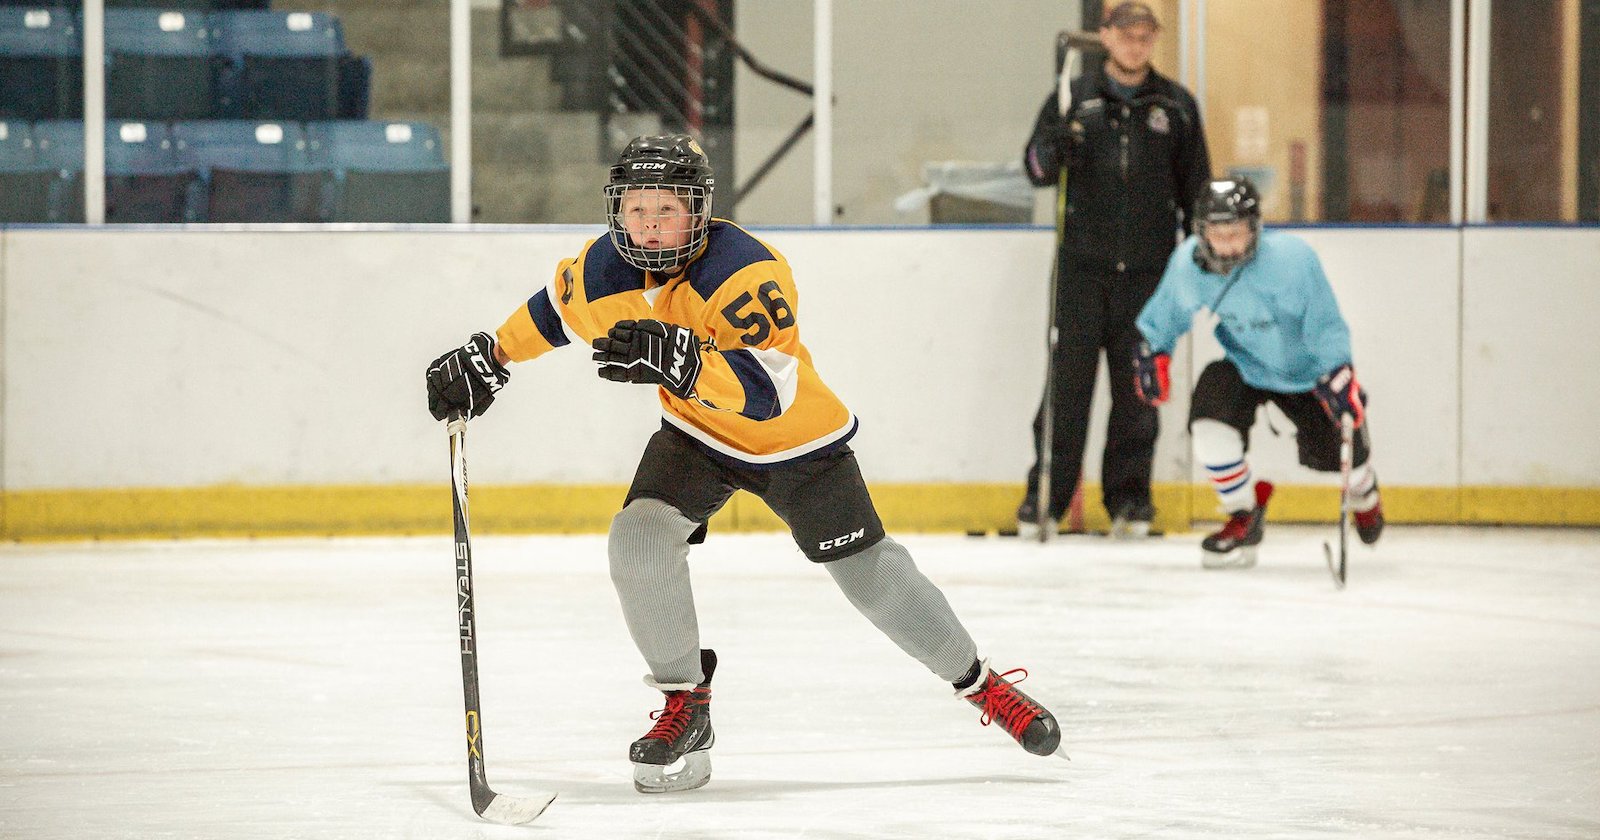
x=1135, y=159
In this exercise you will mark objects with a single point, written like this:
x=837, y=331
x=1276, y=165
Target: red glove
x=1152, y=378
x=1340, y=394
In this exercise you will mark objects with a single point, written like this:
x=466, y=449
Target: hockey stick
x=1069, y=56
x=491, y=806
x=1346, y=456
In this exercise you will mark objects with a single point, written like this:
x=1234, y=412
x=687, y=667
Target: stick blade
x=1334, y=568
x=516, y=810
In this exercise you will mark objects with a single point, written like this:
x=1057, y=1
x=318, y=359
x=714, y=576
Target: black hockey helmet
x=674, y=164
x=1221, y=201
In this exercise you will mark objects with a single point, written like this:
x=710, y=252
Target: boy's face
x=657, y=218
x=1229, y=240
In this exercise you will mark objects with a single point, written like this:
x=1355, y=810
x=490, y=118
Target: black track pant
x=1095, y=312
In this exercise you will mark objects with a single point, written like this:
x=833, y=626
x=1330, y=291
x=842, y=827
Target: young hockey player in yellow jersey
x=707, y=312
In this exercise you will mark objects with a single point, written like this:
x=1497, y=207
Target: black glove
x=651, y=352
x=1341, y=394
x=1152, y=377
x=465, y=379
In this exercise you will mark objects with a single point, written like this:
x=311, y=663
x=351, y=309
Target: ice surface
x=311, y=689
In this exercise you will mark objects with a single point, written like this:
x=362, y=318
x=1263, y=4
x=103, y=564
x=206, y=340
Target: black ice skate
x=1234, y=547
x=1019, y=715
x=682, y=733
x=1369, y=522
x=1028, y=521
x=1132, y=521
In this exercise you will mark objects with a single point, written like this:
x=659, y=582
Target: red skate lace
x=1003, y=703
x=671, y=720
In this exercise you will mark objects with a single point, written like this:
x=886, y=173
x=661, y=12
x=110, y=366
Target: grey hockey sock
x=649, y=552
x=888, y=588
x=970, y=678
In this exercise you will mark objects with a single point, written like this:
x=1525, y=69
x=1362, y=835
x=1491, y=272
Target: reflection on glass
x=41, y=103
x=1386, y=110
x=1341, y=114
x=563, y=85
x=229, y=111
x=1536, y=127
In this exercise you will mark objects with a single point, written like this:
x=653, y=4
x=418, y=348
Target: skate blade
x=657, y=778
x=1242, y=557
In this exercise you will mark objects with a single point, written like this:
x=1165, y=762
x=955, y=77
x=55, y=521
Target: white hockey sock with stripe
x=1220, y=449
x=1363, y=488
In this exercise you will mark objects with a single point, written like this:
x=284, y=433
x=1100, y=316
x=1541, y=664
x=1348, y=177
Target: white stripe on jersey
x=784, y=371
x=555, y=303
x=750, y=458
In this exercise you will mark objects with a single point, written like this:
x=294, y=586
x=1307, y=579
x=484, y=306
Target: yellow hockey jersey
x=758, y=400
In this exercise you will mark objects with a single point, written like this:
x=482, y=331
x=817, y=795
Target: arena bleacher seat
x=145, y=180
x=58, y=145
x=251, y=171
x=160, y=65
x=24, y=180
x=194, y=5
x=197, y=5
x=217, y=110
x=284, y=65
x=41, y=64
x=382, y=171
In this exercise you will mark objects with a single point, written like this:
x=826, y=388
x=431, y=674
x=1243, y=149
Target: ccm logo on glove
x=465, y=380
x=650, y=352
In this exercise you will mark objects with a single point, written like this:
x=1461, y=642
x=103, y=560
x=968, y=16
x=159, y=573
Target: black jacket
x=1134, y=169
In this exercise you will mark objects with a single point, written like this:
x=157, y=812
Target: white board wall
x=171, y=358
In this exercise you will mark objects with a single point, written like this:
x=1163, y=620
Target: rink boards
x=208, y=381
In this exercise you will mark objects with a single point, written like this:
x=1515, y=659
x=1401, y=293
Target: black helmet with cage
x=670, y=165
x=1222, y=201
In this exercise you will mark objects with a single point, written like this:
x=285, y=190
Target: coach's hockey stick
x=494, y=807
x=1346, y=456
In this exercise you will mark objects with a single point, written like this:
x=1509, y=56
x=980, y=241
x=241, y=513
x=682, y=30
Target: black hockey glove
x=1152, y=376
x=465, y=379
x=1341, y=394
x=650, y=352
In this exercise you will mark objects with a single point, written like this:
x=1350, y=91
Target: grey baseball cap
x=1129, y=13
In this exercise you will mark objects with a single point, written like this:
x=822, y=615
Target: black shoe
x=1234, y=547
x=1132, y=519
x=1028, y=520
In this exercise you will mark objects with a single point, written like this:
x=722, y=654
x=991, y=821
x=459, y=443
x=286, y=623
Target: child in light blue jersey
x=1283, y=341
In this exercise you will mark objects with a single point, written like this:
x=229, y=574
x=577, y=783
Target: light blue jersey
x=1280, y=324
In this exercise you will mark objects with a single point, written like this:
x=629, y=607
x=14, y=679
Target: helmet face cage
x=658, y=201
x=1223, y=202
x=657, y=227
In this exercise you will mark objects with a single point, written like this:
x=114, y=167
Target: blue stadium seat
x=16, y=145
x=161, y=65
x=252, y=171
x=382, y=171
x=145, y=179
x=24, y=180
x=282, y=65
x=198, y=5
x=59, y=146
x=41, y=64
